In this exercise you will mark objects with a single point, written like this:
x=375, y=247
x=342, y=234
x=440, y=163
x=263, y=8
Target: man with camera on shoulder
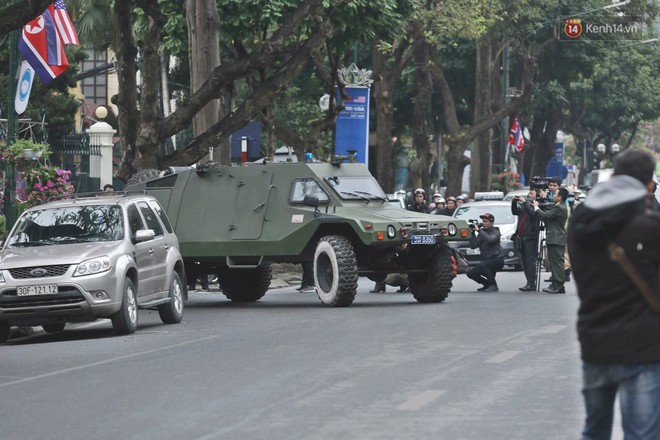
x=486, y=237
x=555, y=217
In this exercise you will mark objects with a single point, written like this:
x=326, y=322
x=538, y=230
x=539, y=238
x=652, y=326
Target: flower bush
x=43, y=182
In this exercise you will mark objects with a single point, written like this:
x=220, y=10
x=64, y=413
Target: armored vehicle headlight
x=452, y=229
x=93, y=266
x=391, y=231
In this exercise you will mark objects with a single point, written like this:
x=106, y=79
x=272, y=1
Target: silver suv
x=103, y=256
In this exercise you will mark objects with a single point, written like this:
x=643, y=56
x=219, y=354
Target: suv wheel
x=54, y=328
x=434, y=286
x=335, y=271
x=125, y=320
x=172, y=312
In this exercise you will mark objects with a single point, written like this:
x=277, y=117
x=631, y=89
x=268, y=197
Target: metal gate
x=76, y=153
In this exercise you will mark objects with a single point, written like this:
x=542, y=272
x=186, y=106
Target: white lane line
x=503, y=357
x=107, y=361
x=553, y=328
x=420, y=400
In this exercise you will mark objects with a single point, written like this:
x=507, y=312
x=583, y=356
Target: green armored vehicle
x=235, y=220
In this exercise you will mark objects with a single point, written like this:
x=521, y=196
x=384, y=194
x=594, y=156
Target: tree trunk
x=204, y=56
x=386, y=76
x=422, y=105
x=128, y=117
x=481, y=152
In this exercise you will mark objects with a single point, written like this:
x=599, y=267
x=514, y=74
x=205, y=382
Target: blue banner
x=352, y=131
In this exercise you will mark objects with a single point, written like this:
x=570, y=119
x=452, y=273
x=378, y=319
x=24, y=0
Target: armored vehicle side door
x=252, y=195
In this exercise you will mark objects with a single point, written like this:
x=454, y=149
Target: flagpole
x=9, y=207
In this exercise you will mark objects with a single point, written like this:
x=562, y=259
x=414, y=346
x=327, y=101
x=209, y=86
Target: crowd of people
x=416, y=201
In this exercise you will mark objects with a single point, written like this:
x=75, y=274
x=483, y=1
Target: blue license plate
x=422, y=239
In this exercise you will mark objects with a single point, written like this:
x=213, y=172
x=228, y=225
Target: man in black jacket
x=486, y=237
x=619, y=333
x=528, y=235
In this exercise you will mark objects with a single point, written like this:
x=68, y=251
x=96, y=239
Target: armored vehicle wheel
x=172, y=312
x=54, y=328
x=125, y=320
x=335, y=271
x=436, y=284
x=246, y=285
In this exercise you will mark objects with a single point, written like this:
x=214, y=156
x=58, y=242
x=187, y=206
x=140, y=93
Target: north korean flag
x=41, y=46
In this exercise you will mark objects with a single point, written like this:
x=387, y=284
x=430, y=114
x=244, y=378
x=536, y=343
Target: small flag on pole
x=515, y=135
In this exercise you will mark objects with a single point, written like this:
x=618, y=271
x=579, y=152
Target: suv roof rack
x=95, y=194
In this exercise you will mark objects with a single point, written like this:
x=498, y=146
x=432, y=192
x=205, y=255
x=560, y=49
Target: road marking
x=503, y=357
x=553, y=328
x=107, y=361
x=420, y=400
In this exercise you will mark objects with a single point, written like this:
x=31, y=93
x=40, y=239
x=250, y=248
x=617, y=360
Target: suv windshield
x=357, y=188
x=68, y=225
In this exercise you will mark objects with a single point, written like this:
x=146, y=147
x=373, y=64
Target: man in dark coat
x=555, y=218
x=619, y=333
x=527, y=231
x=487, y=237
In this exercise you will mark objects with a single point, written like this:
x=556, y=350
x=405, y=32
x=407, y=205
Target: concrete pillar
x=101, y=134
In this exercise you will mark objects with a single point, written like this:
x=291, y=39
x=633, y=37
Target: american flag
x=63, y=22
x=515, y=135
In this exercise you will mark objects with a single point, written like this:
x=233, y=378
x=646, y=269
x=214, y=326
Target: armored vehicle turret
x=235, y=220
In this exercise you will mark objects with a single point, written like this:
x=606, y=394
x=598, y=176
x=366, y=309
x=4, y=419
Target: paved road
x=479, y=366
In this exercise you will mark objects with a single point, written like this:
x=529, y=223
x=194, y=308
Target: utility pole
x=10, y=176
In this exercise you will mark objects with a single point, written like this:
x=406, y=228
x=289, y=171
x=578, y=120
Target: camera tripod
x=540, y=254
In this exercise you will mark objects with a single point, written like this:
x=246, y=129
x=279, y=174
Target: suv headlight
x=93, y=266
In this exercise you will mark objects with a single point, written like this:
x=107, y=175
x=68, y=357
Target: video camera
x=541, y=183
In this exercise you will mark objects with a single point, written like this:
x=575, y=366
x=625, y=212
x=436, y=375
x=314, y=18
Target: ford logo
x=39, y=272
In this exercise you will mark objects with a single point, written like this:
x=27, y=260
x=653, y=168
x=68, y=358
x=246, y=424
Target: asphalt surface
x=478, y=366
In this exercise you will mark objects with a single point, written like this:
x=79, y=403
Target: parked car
x=504, y=220
x=83, y=258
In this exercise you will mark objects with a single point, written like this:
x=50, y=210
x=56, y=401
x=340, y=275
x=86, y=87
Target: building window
x=95, y=88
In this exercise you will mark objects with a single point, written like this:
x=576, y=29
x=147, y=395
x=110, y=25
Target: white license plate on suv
x=469, y=251
x=422, y=239
x=46, y=289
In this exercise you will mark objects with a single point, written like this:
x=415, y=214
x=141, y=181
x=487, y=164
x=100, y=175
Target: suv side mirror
x=144, y=235
x=311, y=200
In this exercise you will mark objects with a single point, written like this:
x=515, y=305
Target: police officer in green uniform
x=555, y=238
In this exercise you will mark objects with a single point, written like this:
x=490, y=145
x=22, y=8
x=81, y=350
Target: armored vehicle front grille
x=51, y=271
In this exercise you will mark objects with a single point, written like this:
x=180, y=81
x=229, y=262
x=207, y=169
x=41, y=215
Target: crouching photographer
x=486, y=237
